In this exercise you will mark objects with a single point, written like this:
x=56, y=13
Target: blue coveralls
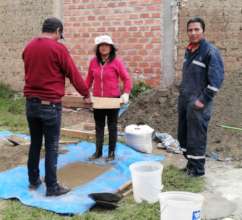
x=203, y=74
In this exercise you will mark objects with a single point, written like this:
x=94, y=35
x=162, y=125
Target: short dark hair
x=197, y=19
x=50, y=25
x=112, y=54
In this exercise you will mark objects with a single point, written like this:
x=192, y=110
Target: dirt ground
x=11, y=156
x=158, y=109
x=71, y=118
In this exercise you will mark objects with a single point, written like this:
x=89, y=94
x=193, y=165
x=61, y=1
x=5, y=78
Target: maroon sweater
x=46, y=64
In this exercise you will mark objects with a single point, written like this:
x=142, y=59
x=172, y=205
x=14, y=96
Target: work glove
x=125, y=98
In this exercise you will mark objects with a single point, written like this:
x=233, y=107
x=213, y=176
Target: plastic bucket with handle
x=180, y=205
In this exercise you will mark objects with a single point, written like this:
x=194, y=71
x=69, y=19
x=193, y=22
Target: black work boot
x=56, y=190
x=95, y=156
x=35, y=185
x=193, y=173
x=111, y=155
x=98, y=153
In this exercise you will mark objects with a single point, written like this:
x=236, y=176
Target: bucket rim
x=195, y=196
x=143, y=163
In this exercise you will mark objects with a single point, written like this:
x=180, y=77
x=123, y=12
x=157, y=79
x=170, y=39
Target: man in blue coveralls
x=203, y=74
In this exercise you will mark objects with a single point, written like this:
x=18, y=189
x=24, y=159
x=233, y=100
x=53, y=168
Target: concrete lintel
x=58, y=7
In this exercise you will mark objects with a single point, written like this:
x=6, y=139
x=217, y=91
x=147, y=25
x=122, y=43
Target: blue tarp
x=14, y=182
x=123, y=109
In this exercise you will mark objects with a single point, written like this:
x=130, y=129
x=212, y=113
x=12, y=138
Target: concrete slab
x=217, y=207
x=225, y=188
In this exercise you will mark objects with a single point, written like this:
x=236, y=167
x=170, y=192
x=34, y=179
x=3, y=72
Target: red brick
x=145, y=15
x=133, y=29
x=156, y=15
x=133, y=24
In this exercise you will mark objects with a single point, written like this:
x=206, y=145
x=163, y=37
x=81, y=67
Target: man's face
x=195, y=32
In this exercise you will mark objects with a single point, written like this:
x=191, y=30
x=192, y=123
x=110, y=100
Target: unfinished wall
x=223, y=27
x=20, y=20
x=135, y=26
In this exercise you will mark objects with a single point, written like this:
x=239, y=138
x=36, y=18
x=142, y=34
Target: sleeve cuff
x=208, y=94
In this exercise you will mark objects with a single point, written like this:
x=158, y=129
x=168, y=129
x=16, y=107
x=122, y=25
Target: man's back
x=44, y=76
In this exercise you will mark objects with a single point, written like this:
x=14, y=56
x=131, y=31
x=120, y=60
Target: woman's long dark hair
x=112, y=54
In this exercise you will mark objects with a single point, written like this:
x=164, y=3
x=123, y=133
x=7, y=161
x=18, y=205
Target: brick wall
x=20, y=20
x=134, y=25
x=223, y=27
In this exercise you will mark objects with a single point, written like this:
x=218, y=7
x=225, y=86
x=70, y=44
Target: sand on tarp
x=76, y=174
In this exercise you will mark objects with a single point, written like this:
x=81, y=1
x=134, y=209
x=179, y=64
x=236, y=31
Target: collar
x=193, y=47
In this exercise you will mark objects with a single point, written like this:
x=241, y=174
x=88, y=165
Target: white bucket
x=180, y=205
x=146, y=180
x=139, y=137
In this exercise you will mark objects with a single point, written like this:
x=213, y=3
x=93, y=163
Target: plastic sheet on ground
x=14, y=182
x=123, y=109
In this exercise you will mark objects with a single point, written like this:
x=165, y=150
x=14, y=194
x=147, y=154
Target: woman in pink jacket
x=105, y=71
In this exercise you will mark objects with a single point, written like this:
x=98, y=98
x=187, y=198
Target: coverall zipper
x=102, y=66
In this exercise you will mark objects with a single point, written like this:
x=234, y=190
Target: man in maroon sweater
x=47, y=63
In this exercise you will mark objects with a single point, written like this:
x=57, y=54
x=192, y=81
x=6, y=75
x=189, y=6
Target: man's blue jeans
x=44, y=122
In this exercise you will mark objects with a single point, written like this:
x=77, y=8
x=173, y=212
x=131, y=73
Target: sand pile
x=158, y=109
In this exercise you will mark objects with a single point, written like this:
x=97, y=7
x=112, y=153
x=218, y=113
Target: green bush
x=5, y=91
x=12, y=105
x=139, y=88
x=16, y=106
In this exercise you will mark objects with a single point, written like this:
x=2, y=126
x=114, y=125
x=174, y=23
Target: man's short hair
x=51, y=25
x=197, y=20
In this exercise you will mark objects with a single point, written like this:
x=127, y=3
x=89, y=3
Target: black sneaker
x=34, y=186
x=57, y=190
